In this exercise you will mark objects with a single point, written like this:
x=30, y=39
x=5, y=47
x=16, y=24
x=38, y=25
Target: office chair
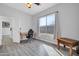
x=30, y=35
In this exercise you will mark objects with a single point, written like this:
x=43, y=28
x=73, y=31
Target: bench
x=67, y=42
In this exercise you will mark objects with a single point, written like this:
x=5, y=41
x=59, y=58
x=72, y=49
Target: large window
x=47, y=23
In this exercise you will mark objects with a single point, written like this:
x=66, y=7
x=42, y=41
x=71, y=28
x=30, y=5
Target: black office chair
x=30, y=35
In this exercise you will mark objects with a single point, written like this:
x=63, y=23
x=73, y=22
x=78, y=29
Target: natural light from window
x=47, y=23
x=42, y=21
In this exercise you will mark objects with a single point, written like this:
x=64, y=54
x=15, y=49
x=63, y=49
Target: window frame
x=46, y=22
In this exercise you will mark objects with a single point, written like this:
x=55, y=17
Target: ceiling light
x=28, y=5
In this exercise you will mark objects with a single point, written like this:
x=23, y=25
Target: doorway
x=6, y=33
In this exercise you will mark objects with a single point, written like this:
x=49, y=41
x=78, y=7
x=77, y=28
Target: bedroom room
x=49, y=23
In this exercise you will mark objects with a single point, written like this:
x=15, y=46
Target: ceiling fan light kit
x=29, y=5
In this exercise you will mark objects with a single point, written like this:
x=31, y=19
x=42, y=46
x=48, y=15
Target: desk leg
x=58, y=44
x=70, y=51
x=64, y=46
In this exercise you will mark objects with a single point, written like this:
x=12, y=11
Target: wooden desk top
x=68, y=41
x=23, y=33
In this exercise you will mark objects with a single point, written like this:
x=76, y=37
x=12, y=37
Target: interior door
x=6, y=30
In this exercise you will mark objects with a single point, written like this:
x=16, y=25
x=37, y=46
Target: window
x=42, y=21
x=47, y=23
x=42, y=25
x=50, y=23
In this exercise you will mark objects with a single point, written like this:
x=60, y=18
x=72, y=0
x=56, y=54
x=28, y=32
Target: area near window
x=47, y=23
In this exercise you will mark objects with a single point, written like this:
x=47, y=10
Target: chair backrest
x=30, y=32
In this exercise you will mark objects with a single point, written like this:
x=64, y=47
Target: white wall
x=46, y=37
x=0, y=31
x=5, y=31
x=68, y=17
x=18, y=20
x=23, y=19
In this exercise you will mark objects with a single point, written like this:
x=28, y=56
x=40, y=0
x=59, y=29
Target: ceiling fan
x=37, y=4
x=29, y=5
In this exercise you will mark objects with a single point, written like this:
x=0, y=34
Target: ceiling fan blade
x=37, y=4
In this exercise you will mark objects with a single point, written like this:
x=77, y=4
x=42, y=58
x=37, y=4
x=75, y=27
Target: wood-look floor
x=35, y=48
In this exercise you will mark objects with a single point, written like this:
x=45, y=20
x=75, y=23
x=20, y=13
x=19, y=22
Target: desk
x=67, y=42
x=23, y=34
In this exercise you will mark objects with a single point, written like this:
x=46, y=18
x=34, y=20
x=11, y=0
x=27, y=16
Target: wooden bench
x=67, y=42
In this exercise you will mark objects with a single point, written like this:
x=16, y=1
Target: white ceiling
x=34, y=10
